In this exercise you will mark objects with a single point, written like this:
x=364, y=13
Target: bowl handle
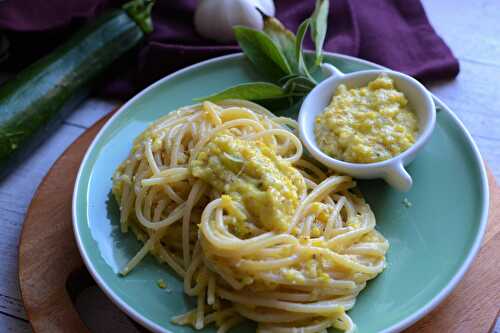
x=330, y=70
x=398, y=177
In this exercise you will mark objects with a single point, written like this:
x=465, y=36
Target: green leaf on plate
x=262, y=52
x=283, y=38
x=319, y=24
x=299, y=55
x=298, y=86
x=251, y=91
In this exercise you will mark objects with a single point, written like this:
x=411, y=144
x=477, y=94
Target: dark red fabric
x=393, y=33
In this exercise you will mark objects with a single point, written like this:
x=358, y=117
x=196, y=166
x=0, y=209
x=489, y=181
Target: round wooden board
x=48, y=257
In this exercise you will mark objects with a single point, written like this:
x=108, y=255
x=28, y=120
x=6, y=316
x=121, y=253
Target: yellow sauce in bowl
x=368, y=124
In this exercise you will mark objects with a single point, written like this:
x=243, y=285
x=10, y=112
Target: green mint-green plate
x=433, y=242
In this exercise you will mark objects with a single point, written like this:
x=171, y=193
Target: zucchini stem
x=140, y=12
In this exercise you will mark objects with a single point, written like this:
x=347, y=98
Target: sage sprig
x=262, y=52
x=318, y=29
x=250, y=91
x=299, y=52
x=284, y=39
x=278, y=54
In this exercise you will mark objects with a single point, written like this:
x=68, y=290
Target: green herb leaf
x=262, y=52
x=298, y=86
x=319, y=24
x=253, y=91
x=283, y=38
x=278, y=53
x=299, y=55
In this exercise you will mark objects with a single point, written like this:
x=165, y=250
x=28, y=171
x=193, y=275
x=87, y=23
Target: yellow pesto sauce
x=251, y=173
x=368, y=124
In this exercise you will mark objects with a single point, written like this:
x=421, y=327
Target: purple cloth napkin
x=393, y=33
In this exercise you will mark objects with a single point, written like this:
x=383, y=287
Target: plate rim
x=397, y=327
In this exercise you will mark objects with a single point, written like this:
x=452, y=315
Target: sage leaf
x=283, y=38
x=299, y=54
x=319, y=24
x=253, y=91
x=278, y=54
x=298, y=86
x=262, y=52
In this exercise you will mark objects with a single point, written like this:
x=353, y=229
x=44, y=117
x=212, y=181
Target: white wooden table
x=471, y=28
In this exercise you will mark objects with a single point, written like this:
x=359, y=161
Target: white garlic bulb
x=214, y=19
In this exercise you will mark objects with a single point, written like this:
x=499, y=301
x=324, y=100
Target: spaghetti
x=221, y=193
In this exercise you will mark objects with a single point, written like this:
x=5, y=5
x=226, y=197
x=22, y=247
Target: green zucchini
x=36, y=101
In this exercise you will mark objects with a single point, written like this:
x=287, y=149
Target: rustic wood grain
x=14, y=325
x=47, y=250
x=470, y=28
x=495, y=328
x=50, y=252
x=16, y=192
x=15, y=195
x=472, y=31
x=95, y=109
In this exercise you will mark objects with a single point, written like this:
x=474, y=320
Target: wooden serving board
x=51, y=270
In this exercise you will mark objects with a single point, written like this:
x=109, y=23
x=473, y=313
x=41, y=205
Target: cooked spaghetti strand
x=221, y=194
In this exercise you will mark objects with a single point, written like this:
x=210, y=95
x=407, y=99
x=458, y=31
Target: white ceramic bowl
x=391, y=170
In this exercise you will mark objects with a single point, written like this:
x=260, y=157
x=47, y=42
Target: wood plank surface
x=471, y=29
x=15, y=195
x=9, y=324
x=44, y=270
